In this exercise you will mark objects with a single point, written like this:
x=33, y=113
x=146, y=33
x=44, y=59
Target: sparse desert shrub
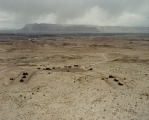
x=24, y=76
x=25, y=73
x=76, y=65
x=11, y=79
x=115, y=80
x=48, y=68
x=21, y=80
x=111, y=76
x=120, y=84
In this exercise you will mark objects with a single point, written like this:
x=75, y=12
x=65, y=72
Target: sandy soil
x=69, y=78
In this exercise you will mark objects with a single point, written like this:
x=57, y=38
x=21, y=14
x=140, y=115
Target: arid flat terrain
x=74, y=78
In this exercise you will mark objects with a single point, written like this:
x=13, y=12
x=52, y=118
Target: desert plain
x=74, y=77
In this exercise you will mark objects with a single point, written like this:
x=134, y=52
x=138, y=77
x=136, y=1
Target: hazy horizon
x=7, y=28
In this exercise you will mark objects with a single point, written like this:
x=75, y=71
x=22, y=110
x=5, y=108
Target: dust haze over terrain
x=16, y=13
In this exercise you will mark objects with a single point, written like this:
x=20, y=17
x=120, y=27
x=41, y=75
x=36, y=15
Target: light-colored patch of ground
x=77, y=85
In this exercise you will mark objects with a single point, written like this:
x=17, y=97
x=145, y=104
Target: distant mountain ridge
x=84, y=28
x=123, y=29
x=60, y=28
x=66, y=29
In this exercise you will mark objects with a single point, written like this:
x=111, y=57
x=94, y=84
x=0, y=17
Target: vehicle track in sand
x=2, y=50
x=5, y=78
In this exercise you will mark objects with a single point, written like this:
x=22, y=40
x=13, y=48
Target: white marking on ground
x=104, y=56
x=101, y=62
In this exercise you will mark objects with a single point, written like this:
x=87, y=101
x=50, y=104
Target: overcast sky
x=17, y=13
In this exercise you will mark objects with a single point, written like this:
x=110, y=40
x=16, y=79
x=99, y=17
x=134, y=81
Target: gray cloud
x=107, y=12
